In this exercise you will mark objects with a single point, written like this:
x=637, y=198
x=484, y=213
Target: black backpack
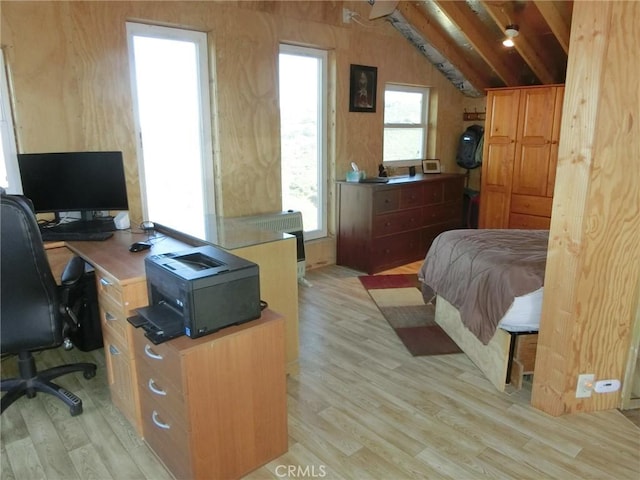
x=469, y=154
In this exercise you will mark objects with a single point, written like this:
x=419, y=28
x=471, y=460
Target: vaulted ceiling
x=463, y=39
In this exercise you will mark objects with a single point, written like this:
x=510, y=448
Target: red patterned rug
x=402, y=304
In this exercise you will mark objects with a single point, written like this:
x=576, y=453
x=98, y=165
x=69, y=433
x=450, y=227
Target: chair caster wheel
x=89, y=374
x=75, y=410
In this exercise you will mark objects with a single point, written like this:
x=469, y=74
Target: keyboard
x=50, y=236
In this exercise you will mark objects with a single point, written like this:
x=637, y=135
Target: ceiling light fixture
x=511, y=31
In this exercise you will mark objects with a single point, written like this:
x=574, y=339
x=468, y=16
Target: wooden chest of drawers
x=215, y=407
x=381, y=226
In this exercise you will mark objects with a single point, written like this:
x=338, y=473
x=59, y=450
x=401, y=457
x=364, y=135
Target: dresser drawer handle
x=154, y=389
x=150, y=354
x=113, y=350
x=154, y=417
x=105, y=282
x=109, y=317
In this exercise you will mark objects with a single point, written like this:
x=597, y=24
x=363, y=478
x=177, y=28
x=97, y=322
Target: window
x=171, y=96
x=406, y=113
x=9, y=173
x=303, y=125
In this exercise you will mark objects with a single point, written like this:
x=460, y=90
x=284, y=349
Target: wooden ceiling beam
x=526, y=44
x=471, y=26
x=432, y=33
x=558, y=26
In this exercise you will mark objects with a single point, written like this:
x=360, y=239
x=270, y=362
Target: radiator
x=282, y=222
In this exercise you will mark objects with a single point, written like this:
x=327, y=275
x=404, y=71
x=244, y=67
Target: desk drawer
x=159, y=358
x=167, y=437
x=112, y=316
x=108, y=288
x=154, y=383
x=120, y=375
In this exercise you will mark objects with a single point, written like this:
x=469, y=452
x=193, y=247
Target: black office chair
x=34, y=315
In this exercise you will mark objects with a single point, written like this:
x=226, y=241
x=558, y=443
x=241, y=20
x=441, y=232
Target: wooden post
x=594, y=255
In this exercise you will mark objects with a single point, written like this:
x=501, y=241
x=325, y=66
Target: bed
x=489, y=289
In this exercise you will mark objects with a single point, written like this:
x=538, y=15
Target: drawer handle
x=150, y=354
x=113, y=350
x=154, y=389
x=105, y=282
x=154, y=417
x=109, y=317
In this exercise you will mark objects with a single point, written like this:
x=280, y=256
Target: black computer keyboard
x=49, y=236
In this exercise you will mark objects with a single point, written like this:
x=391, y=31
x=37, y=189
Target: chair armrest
x=73, y=271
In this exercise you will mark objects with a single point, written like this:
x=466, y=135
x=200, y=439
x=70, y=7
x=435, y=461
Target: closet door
x=498, y=156
x=535, y=129
x=555, y=140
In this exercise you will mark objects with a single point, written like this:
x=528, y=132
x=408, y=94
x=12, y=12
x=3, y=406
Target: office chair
x=33, y=307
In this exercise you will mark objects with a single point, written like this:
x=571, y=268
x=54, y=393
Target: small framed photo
x=431, y=166
x=362, y=92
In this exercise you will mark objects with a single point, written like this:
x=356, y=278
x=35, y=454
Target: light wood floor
x=361, y=407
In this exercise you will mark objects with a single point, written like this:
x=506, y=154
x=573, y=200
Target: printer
x=197, y=292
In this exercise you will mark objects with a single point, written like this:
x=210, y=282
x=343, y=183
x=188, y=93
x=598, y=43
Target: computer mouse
x=139, y=246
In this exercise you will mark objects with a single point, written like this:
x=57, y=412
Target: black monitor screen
x=74, y=181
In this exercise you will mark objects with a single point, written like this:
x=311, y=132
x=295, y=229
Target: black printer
x=198, y=291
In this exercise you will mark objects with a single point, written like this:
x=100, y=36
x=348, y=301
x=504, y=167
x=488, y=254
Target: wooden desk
x=197, y=402
x=122, y=288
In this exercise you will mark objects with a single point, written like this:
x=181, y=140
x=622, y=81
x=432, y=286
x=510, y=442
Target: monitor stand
x=87, y=224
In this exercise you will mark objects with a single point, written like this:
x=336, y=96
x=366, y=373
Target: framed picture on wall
x=362, y=93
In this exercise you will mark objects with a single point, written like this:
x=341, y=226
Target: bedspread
x=480, y=272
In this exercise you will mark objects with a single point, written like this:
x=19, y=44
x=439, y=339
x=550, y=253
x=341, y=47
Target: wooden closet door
x=535, y=128
x=555, y=140
x=498, y=155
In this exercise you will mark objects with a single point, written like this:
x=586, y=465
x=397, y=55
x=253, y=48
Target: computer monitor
x=87, y=182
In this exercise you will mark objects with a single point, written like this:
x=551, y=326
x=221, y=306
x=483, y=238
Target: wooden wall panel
x=594, y=261
x=70, y=81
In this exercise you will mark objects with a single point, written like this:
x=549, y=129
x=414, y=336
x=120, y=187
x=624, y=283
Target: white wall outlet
x=585, y=385
x=346, y=15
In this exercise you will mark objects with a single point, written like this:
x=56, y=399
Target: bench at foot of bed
x=504, y=359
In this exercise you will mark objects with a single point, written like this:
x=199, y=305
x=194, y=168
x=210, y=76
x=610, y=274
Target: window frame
x=9, y=148
x=322, y=172
x=424, y=125
x=200, y=40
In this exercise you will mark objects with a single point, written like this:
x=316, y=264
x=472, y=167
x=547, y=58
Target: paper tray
x=161, y=322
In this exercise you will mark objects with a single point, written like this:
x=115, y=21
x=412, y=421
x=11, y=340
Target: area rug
x=400, y=301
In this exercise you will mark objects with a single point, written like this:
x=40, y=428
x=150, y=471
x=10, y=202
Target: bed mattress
x=524, y=313
x=493, y=277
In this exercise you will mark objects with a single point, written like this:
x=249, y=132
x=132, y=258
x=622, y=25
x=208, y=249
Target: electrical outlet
x=346, y=15
x=584, y=388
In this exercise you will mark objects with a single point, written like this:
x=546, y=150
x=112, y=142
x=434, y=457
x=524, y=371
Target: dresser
x=385, y=225
x=215, y=407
